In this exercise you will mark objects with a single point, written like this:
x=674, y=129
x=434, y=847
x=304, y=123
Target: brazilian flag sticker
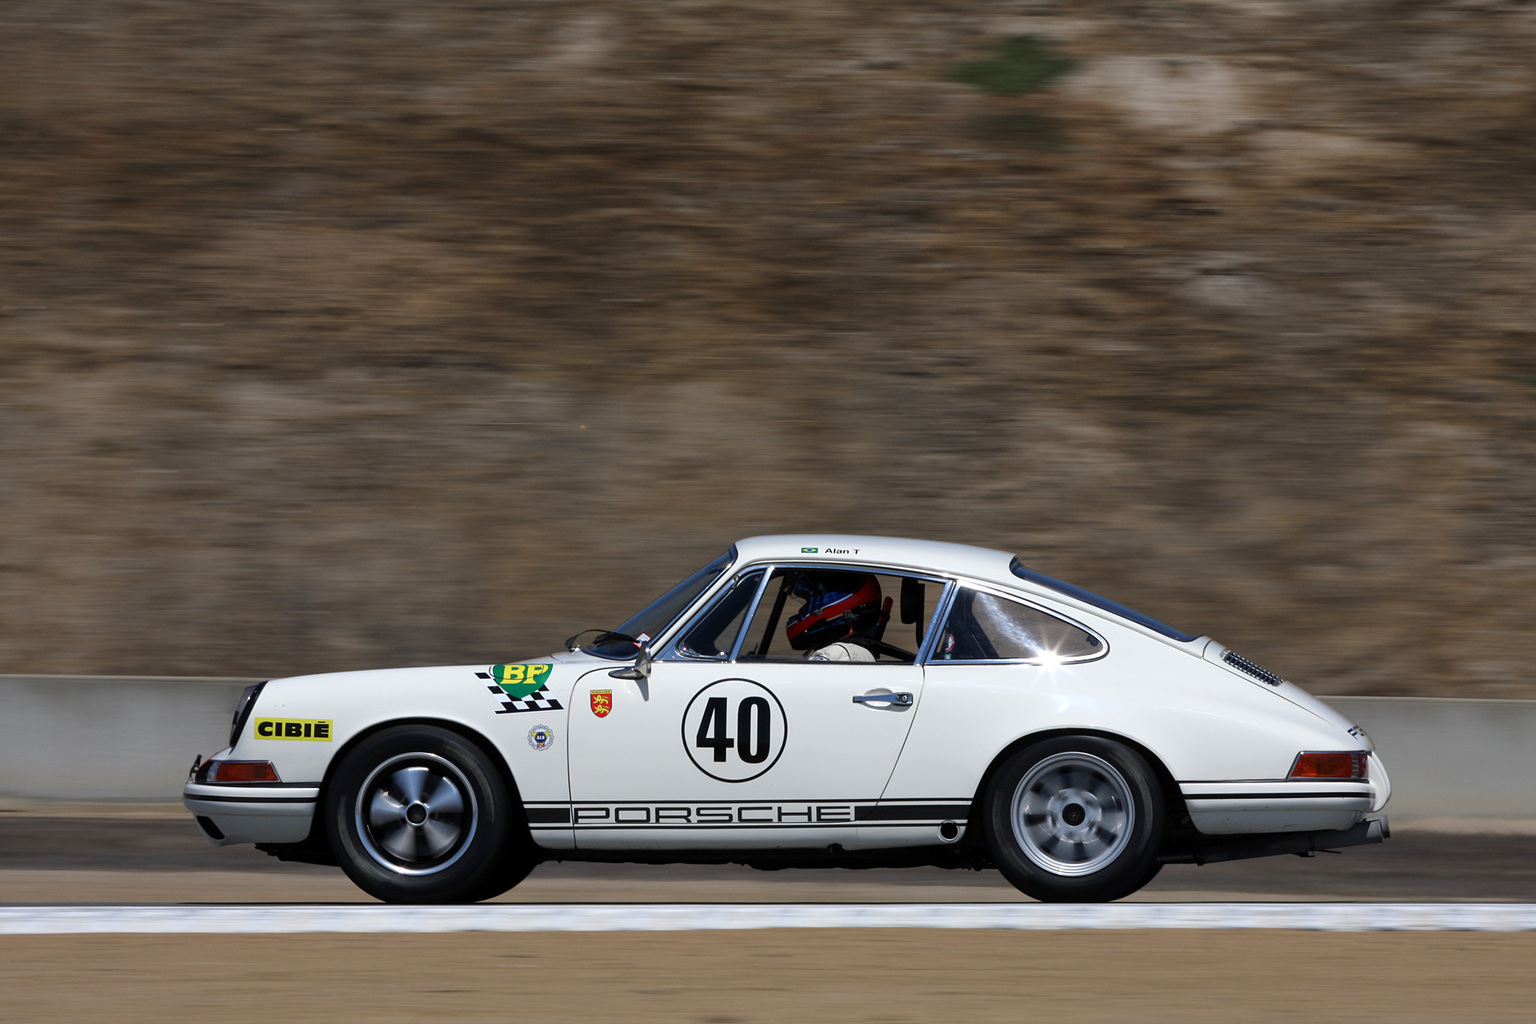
x=520, y=680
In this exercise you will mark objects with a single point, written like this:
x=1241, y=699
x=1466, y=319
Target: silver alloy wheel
x=416, y=813
x=1072, y=814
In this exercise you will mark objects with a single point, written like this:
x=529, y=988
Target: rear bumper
x=1290, y=805
x=233, y=814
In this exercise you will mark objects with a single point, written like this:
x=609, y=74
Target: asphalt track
x=1249, y=940
x=162, y=859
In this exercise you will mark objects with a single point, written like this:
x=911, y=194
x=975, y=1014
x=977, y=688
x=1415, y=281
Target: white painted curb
x=1333, y=917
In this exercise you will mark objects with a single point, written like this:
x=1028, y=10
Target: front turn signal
x=237, y=771
x=1329, y=765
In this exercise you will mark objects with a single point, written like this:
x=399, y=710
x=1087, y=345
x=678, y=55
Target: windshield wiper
x=604, y=636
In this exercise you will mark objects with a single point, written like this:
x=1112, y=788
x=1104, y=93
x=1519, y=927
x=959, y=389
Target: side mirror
x=640, y=671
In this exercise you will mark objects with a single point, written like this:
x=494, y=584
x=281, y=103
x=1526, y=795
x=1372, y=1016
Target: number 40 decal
x=734, y=730
x=754, y=729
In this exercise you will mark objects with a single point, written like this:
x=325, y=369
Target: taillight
x=1329, y=765
x=237, y=771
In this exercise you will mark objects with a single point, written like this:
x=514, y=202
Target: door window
x=840, y=614
x=713, y=634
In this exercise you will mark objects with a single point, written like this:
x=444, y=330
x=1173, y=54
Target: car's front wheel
x=1075, y=819
x=419, y=814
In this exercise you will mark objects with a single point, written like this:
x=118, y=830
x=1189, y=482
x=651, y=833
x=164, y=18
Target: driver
x=840, y=608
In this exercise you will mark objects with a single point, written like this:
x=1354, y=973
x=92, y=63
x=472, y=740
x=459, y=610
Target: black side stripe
x=782, y=826
x=252, y=799
x=1360, y=794
x=912, y=812
x=235, y=787
x=893, y=801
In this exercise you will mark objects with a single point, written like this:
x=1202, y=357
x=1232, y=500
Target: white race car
x=799, y=701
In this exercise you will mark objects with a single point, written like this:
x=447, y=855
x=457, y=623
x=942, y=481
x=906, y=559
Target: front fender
x=302, y=723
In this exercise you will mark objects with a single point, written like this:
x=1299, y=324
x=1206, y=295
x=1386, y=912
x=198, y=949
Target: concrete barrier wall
x=91, y=738
x=84, y=738
x=1452, y=758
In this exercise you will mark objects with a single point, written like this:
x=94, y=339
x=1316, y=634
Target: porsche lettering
x=713, y=815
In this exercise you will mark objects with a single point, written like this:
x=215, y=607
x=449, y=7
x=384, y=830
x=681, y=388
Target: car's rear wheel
x=419, y=814
x=1075, y=819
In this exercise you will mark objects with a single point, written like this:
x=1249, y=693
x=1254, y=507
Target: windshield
x=650, y=621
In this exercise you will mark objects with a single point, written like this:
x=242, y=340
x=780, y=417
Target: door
x=740, y=738
x=997, y=667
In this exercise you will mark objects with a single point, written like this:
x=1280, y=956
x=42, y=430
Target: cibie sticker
x=520, y=680
x=541, y=737
x=602, y=702
x=292, y=729
x=734, y=730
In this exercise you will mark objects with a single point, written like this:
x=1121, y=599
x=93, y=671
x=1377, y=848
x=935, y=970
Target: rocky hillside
x=343, y=334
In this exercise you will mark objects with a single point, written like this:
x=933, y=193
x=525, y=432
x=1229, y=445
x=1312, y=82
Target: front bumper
x=243, y=813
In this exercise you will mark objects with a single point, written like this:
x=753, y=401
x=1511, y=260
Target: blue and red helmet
x=838, y=605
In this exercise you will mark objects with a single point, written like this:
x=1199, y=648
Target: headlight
x=243, y=711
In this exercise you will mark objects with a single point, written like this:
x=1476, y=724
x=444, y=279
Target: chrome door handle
x=900, y=699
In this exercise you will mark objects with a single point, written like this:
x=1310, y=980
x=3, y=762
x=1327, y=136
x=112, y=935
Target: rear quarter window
x=1088, y=597
x=986, y=627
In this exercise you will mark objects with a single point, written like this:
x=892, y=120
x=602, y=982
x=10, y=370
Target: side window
x=985, y=627
x=714, y=634
x=840, y=614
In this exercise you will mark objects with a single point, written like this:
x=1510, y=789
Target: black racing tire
x=1077, y=819
x=420, y=814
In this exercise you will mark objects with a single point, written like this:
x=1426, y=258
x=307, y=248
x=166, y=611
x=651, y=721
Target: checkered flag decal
x=539, y=700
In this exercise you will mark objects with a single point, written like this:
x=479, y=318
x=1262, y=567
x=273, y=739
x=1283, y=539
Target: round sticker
x=734, y=730
x=541, y=737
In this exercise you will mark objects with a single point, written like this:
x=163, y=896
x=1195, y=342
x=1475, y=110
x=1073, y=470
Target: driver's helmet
x=838, y=605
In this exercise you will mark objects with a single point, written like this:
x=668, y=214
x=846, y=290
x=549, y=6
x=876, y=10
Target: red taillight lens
x=239, y=771
x=1330, y=766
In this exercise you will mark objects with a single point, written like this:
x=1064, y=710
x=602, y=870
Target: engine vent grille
x=1242, y=664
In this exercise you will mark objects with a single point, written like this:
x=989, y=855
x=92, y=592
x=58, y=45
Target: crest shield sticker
x=602, y=702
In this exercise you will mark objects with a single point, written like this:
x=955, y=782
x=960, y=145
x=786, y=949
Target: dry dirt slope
x=752, y=977
x=342, y=334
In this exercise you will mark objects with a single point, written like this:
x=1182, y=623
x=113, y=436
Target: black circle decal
x=734, y=730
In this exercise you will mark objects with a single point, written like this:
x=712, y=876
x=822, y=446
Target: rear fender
x=1178, y=814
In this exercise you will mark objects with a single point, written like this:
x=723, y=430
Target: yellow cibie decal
x=520, y=680
x=292, y=729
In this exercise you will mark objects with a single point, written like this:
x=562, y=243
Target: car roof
x=982, y=564
x=859, y=549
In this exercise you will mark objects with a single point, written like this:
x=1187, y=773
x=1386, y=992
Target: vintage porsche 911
x=806, y=700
